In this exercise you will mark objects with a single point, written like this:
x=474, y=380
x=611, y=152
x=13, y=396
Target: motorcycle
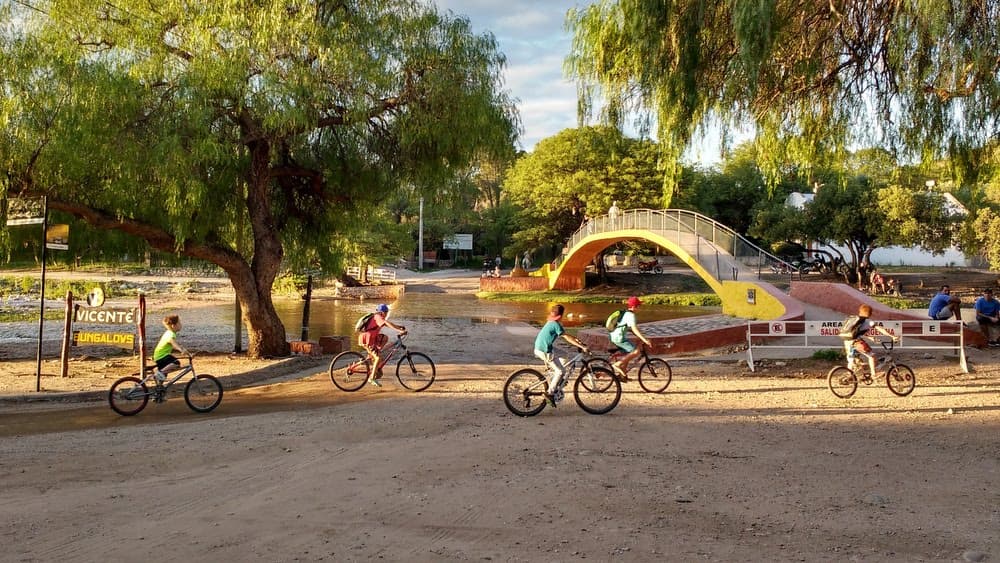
x=650, y=266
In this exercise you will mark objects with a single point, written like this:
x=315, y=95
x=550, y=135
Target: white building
x=900, y=255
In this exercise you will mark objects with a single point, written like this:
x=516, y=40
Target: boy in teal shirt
x=551, y=331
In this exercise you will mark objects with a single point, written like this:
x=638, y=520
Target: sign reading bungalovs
x=105, y=316
x=81, y=338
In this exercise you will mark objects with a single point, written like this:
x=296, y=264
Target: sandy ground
x=725, y=466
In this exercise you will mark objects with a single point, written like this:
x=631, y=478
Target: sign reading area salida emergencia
x=104, y=316
x=82, y=338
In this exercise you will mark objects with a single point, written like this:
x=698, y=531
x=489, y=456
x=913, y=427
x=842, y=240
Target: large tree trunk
x=265, y=332
x=266, y=336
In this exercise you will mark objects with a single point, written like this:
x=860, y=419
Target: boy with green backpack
x=618, y=334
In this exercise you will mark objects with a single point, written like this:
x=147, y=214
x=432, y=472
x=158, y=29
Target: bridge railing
x=723, y=252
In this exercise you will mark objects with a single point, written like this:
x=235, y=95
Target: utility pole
x=420, y=237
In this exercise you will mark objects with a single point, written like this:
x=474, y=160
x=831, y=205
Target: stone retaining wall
x=380, y=292
x=530, y=283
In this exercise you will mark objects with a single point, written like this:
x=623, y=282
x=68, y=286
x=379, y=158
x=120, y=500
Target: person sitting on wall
x=944, y=305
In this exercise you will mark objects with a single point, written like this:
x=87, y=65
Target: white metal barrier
x=374, y=274
x=823, y=334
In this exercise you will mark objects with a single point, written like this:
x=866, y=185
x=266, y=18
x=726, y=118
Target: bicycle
x=129, y=395
x=596, y=389
x=899, y=378
x=654, y=373
x=350, y=370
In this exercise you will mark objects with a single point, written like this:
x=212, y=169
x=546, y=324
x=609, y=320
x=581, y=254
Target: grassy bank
x=675, y=299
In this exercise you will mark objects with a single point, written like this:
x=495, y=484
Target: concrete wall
x=846, y=300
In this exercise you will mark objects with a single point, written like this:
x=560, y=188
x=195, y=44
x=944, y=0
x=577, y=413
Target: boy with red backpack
x=372, y=339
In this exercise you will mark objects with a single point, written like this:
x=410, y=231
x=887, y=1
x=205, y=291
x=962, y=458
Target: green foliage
x=224, y=131
x=916, y=78
x=902, y=302
x=290, y=285
x=58, y=288
x=579, y=173
x=828, y=354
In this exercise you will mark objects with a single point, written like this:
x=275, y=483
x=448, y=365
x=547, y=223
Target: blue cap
x=382, y=308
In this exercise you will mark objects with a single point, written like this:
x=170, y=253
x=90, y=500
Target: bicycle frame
x=167, y=383
x=387, y=352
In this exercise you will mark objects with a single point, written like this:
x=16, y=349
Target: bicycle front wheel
x=415, y=371
x=655, y=375
x=203, y=393
x=842, y=381
x=596, y=399
x=901, y=380
x=524, y=392
x=349, y=371
x=128, y=396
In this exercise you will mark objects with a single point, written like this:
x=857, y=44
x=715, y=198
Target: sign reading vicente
x=125, y=340
x=104, y=316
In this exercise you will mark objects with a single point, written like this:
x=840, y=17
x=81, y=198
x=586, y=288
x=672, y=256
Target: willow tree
x=919, y=78
x=187, y=122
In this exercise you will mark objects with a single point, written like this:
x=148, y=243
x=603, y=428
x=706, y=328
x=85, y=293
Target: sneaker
x=374, y=381
x=550, y=400
x=995, y=344
x=620, y=372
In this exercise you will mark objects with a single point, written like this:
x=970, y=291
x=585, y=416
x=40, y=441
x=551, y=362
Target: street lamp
x=420, y=237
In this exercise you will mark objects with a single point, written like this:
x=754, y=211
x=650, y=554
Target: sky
x=532, y=35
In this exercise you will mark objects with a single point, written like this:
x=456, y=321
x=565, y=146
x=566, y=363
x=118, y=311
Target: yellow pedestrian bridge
x=729, y=263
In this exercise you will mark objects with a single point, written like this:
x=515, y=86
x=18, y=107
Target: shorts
x=625, y=346
x=372, y=341
x=943, y=314
x=861, y=346
x=166, y=361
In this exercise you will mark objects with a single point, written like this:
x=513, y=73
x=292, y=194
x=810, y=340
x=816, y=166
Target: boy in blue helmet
x=372, y=339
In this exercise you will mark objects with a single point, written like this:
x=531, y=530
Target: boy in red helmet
x=619, y=337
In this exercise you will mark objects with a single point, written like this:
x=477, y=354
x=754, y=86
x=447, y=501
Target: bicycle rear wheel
x=655, y=375
x=842, y=381
x=349, y=371
x=595, y=399
x=524, y=392
x=203, y=393
x=900, y=380
x=415, y=371
x=128, y=396
x=595, y=376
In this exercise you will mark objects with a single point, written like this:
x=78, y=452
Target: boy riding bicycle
x=858, y=345
x=619, y=337
x=551, y=331
x=372, y=339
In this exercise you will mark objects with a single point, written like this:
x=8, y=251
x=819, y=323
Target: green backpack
x=613, y=319
x=362, y=324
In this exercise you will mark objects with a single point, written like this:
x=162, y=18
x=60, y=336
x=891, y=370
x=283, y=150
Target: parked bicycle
x=596, y=389
x=350, y=370
x=129, y=395
x=843, y=380
x=654, y=373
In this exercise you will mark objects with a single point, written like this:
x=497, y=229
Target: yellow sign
x=57, y=237
x=124, y=340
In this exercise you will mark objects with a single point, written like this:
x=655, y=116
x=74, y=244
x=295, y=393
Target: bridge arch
x=719, y=255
